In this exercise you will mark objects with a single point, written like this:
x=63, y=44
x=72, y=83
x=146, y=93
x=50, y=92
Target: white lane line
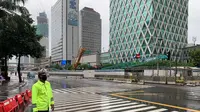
x=158, y=110
x=141, y=109
x=124, y=108
x=85, y=104
x=118, y=104
x=86, y=101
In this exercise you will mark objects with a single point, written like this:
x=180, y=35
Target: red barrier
x=19, y=99
x=1, y=108
x=25, y=96
x=14, y=104
x=6, y=105
x=28, y=92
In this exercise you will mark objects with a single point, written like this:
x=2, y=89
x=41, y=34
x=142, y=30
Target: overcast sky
x=102, y=6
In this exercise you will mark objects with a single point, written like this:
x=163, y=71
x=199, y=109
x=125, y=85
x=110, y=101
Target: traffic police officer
x=42, y=96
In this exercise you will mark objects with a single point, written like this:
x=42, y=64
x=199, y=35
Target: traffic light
x=169, y=55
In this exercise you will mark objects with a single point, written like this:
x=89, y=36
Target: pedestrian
x=42, y=96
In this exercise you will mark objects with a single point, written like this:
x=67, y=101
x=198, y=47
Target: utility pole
x=158, y=55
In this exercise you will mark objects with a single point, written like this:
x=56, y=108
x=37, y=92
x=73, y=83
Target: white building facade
x=65, y=30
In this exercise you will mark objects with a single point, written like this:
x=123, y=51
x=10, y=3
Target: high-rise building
x=42, y=25
x=65, y=30
x=148, y=28
x=42, y=29
x=91, y=30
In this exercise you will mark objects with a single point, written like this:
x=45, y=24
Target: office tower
x=42, y=25
x=148, y=28
x=65, y=30
x=91, y=30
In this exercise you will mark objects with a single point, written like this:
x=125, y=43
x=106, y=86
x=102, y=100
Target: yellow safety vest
x=42, y=96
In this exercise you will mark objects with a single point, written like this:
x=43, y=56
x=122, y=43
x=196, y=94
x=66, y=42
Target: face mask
x=43, y=77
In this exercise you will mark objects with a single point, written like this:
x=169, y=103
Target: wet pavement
x=188, y=97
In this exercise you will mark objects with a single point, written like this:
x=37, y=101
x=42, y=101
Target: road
x=91, y=95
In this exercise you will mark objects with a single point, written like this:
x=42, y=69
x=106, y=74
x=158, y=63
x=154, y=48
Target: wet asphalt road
x=188, y=97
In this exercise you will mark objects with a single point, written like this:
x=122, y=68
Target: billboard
x=73, y=13
x=63, y=62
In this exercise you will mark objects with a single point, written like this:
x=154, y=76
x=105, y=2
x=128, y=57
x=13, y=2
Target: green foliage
x=195, y=57
x=106, y=65
x=17, y=34
x=68, y=67
x=84, y=67
x=57, y=66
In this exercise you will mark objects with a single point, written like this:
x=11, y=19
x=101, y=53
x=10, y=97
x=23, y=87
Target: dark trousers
x=43, y=111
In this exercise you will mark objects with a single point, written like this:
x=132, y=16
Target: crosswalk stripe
x=86, y=108
x=69, y=96
x=158, y=110
x=142, y=109
x=82, y=101
x=85, y=104
x=87, y=99
x=58, y=91
x=72, y=98
x=74, y=91
x=124, y=108
x=118, y=104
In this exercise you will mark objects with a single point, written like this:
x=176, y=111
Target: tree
x=26, y=40
x=8, y=8
x=195, y=57
x=5, y=42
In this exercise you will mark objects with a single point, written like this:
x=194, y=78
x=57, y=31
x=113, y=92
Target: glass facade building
x=148, y=28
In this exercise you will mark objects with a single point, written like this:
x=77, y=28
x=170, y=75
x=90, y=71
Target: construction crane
x=77, y=60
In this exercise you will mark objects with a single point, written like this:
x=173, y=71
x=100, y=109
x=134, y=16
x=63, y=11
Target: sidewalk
x=13, y=84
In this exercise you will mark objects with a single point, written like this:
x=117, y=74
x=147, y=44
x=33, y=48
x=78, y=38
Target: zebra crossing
x=85, y=99
x=88, y=90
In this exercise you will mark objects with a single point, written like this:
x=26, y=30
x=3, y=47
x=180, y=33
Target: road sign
x=137, y=55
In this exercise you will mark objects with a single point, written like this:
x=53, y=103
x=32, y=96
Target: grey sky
x=102, y=6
